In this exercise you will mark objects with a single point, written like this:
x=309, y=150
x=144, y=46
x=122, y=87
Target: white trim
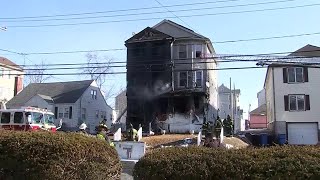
x=296, y=96
x=295, y=75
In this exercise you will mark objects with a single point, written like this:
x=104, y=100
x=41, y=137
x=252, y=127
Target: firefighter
x=82, y=128
x=102, y=134
x=217, y=127
x=205, y=128
x=228, y=126
x=132, y=134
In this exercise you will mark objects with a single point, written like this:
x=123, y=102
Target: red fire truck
x=27, y=119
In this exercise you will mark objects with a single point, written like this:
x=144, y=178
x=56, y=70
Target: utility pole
x=231, y=104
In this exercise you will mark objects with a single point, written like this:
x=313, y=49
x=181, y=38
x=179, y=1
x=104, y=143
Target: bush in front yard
x=204, y=163
x=44, y=155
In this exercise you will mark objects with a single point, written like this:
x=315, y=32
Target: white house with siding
x=74, y=102
x=11, y=80
x=292, y=96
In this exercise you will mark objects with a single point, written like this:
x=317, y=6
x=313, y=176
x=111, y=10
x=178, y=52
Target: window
x=1, y=72
x=83, y=113
x=183, y=79
x=94, y=94
x=97, y=113
x=297, y=102
x=198, y=51
x=70, y=112
x=56, y=112
x=182, y=52
x=295, y=74
x=103, y=114
x=9, y=74
x=111, y=117
x=198, y=78
x=66, y=113
x=18, y=117
x=5, y=117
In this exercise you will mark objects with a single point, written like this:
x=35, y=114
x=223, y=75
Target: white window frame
x=195, y=78
x=296, y=96
x=66, y=113
x=179, y=77
x=186, y=51
x=93, y=94
x=295, y=74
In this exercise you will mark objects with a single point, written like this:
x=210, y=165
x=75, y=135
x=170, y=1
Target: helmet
x=103, y=126
x=83, y=126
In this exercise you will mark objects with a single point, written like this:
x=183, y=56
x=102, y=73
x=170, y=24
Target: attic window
x=94, y=94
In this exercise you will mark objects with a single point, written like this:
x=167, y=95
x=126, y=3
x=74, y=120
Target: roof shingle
x=60, y=92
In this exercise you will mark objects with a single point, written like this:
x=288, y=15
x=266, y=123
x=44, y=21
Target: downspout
x=172, y=67
x=274, y=101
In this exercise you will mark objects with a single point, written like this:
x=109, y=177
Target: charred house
x=171, y=84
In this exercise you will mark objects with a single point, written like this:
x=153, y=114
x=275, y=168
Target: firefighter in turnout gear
x=102, y=134
x=132, y=134
x=205, y=128
x=228, y=126
x=217, y=127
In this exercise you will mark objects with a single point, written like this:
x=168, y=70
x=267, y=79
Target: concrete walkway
x=127, y=169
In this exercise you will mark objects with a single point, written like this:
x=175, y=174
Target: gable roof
x=193, y=34
x=59, y=92
x=48, y=99
x=7, y=62
x=148, y=34
x=224, y=89
x=307, y=51
x=261, y=110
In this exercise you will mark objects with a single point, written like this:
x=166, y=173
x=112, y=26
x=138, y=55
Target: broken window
x=198, y=51
x=183, y=79
x=198, y=78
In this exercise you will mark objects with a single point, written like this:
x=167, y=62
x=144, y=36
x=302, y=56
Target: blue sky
x=113, y=35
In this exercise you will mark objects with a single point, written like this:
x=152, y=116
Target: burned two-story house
x=171, y=78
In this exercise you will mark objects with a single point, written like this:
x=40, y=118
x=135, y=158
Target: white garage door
x=302, y=133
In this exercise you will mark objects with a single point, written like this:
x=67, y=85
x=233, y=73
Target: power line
x=173, y=14
x=124, y=72
x=122, y=49
x=148, y=13
x=169, y=62
x=120, y=10
x=155, y=18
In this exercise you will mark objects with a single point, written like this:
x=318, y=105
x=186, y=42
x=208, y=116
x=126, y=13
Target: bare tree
x=37, y=74
x=96, y=68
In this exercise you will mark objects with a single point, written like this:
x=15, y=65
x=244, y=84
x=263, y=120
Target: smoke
x=159, y=87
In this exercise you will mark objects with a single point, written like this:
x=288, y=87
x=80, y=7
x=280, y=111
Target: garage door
x=302, y=133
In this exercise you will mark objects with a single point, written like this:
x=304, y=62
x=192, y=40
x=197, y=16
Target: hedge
x=283, y=162
x=44, y=155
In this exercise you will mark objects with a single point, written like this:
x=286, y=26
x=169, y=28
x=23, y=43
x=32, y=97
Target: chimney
x=17, y=85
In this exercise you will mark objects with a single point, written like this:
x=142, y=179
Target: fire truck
x=27, y=119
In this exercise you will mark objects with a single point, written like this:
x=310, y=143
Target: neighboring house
x=11, y=80
x=121, y=109
x=258, y=117
x=167, y=81
x=261, y=97
x=292, y=96
x=74, y=102
x=229, y=105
